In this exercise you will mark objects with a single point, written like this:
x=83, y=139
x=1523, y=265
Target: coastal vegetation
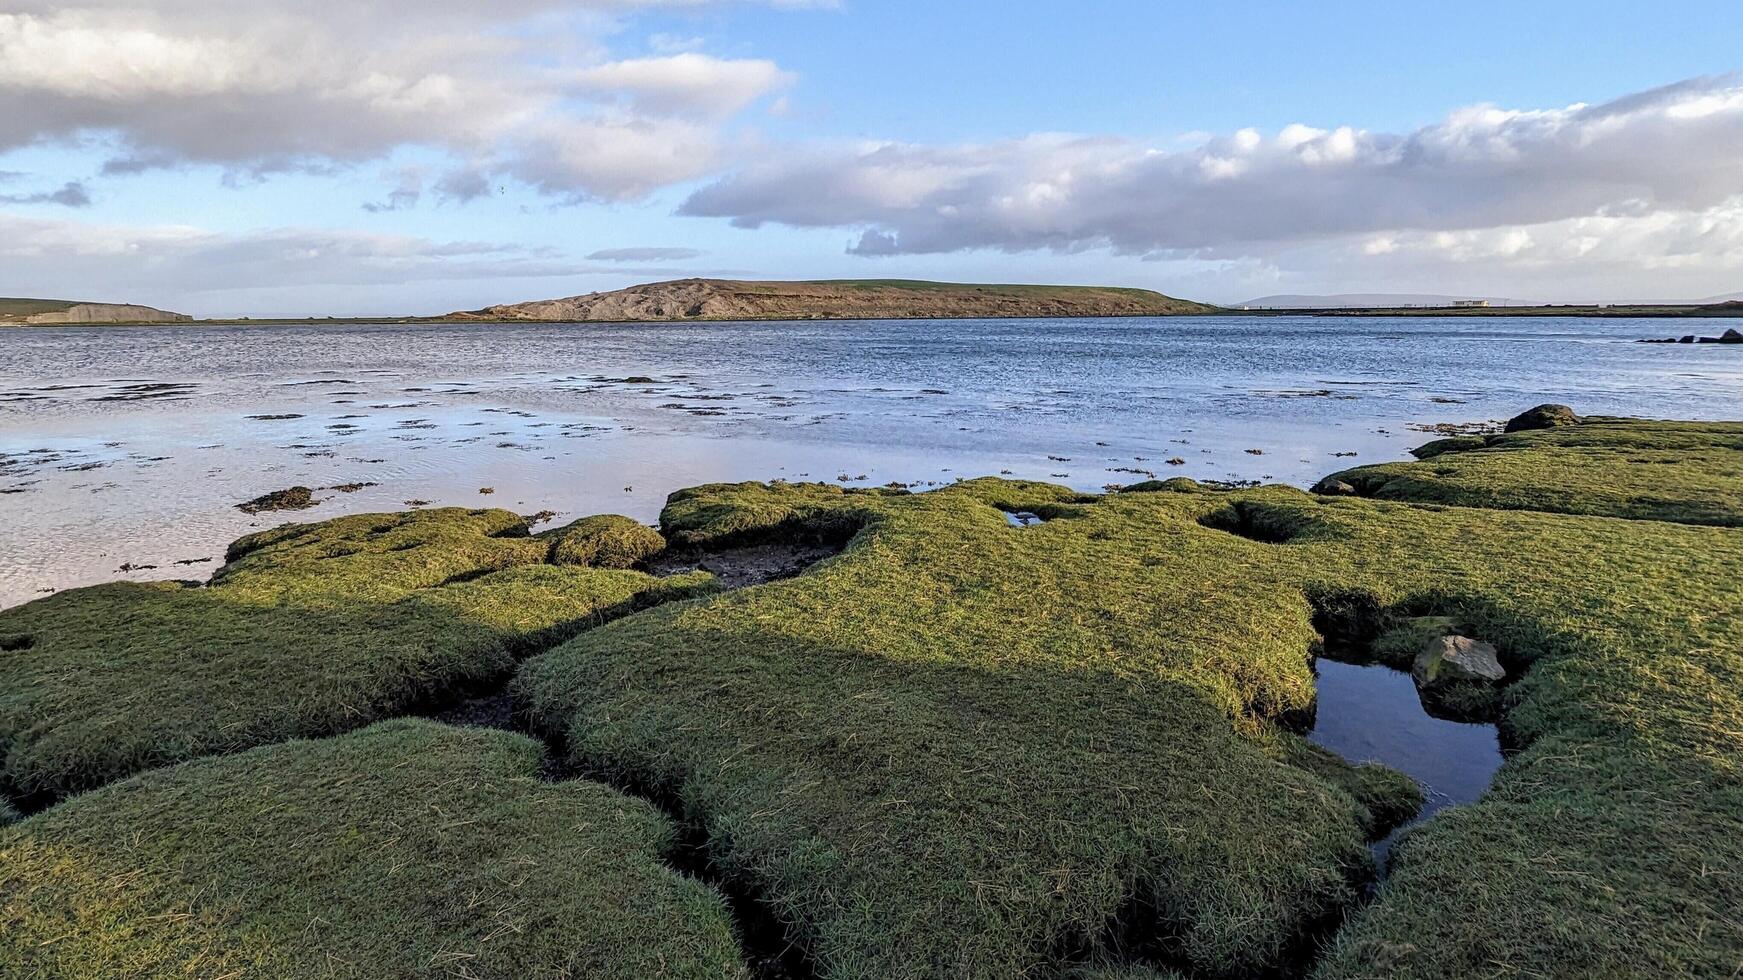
x=308, y=630
x=958, y=748
x=406, y=849
x=1688, y=472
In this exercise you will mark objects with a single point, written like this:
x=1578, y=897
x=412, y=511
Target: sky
x=329, y=158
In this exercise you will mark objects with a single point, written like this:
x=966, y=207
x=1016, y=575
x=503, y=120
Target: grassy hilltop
x=21, y=312
x=839, y=299
x=959, y=749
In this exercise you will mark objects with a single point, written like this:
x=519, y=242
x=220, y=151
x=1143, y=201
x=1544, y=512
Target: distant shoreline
x=1654, y=311
x=1731, y=310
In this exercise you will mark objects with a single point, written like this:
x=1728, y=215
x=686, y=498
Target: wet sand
x=125, y=452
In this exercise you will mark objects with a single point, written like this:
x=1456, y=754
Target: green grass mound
x=724, y=514
x=309, y=630
x=1689, y=472
x=605, y=541
x=961, y=748
x=1064, y=730
x=407, y=850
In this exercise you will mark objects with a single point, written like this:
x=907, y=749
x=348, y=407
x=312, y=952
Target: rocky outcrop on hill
x=30, y=311
x=722, y=299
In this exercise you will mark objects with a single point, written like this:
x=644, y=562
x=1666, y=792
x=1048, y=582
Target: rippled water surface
x=130, y=446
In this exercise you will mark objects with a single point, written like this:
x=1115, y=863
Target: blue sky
x=314, y=158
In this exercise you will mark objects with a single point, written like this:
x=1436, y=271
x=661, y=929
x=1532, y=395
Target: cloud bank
x=1664, y=165
x=523, y=89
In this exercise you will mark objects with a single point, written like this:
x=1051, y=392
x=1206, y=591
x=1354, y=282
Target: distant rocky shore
x=1728, y=337
x=46, y=312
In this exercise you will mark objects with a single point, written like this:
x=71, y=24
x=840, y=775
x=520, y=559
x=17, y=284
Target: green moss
x=967, y=750
x=1690, y=472
x=1176, y=484
x=940, y=690
x=408, y=850
x=721, y=514
x=605, y=541
x=1034, y=719
x=309, y=630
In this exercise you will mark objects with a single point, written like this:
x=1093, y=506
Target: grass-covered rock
x=405, y=850
x=604, y=541
x=308, y=630
x=1691, y=472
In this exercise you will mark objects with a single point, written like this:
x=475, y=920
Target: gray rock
x=1543, y=417
x=1333, y=487
x=1731, y=337
x=1456, y=659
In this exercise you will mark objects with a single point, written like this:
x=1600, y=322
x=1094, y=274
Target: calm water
x=131, y=446
x=1371, y=713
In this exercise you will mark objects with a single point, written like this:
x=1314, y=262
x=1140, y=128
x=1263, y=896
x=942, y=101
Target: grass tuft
x=408, y=849
x=310, y=630
x=604, y=541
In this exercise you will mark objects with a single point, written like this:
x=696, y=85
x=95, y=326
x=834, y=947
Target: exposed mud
x=740, y=568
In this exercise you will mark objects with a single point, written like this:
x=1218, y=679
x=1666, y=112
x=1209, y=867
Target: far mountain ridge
x=839, y=299
x=1340, y=301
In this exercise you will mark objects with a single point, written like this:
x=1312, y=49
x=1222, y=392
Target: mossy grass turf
x=962, y=749
x=1690, y=472
x=409, y=849
x=604, y=541
x=310, y=629
x=970, y=750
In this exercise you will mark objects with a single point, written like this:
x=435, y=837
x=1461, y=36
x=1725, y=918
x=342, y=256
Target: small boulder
x=604, y=541
x=1543, y=417
x=1449, y=659
x=1688, y=339
x=1331, y=486
x=1731, y=337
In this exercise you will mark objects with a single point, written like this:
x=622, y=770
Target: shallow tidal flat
x=124, y=451
x=1001, y=728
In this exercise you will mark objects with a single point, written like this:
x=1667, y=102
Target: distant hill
x=839, y=299
x=1344, y=301
x=20, y=312
x=1727, y=298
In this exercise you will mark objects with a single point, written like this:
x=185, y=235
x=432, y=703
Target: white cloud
x=645, y=254
x=41, y=256
x=688, y=83
x=521, y=88
x=1673, y=150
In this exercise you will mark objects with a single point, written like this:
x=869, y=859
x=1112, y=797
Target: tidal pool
x=1371, y=713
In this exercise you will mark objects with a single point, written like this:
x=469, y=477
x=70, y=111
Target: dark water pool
x=1371, y=713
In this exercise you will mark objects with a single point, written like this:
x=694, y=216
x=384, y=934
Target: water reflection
x=1371, y=713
